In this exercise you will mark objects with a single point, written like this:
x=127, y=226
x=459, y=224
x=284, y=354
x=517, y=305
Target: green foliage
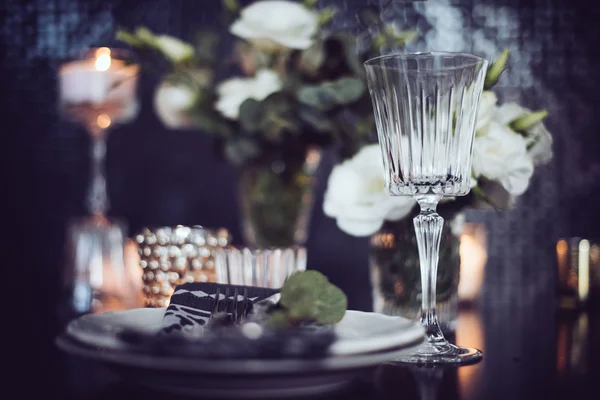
x=309, y=296
x=525, y=122
x=323, y=100
x=328, y=95
x=495, y=70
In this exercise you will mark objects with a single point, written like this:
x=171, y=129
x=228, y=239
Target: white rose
x=501, y=155
x=233, y=92
x=356, y=198
x=172, y=102
x=538, y=140
x=173, y=48
x=487, y=108
x=275, y=23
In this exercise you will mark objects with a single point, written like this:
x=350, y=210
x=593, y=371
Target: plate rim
x=250, y=367
x=410, y=333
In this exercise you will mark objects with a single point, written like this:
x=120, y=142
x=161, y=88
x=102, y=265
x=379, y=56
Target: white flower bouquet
x=510, y=141
x=287, y=85
x=287, y=82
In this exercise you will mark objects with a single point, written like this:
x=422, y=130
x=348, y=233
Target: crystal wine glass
x=425, y=107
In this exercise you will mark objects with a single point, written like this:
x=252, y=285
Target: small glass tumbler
x=260, y=267
x=96, y=278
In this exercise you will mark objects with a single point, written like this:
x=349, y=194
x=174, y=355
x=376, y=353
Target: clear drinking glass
x=263, y=267
x=425, y=107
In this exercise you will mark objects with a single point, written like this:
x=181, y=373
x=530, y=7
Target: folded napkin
x=192, y=303
x=183, y=332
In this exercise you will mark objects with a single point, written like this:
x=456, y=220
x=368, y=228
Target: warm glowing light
x=103, y=121
x=584, y=270
x=469, y=329
x=103, y=59
x=562, y=247
x=473, y=257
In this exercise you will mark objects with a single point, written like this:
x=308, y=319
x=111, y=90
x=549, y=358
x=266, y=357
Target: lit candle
x=99, y=79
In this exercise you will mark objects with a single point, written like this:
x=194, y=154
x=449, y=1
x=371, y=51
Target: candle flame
x=103, y=60
x=103, y=121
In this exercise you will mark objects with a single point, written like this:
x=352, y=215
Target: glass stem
x=428, y=228
x=97, y=194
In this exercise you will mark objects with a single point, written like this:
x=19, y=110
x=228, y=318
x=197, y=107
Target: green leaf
x=346, y=44
x=316, y=119
x=240, y=150
x=308, y=295
x=495, y=70
x=231, y=5
x=278, y=320
x=326, y=16
x=330, y=94
x=346, y=90
x=487, y=199
x=316, y=96
x=525, y=122
x=146, y=36
x=331, y=305
x=273, y=125
x=250, y=115
x=129, y=38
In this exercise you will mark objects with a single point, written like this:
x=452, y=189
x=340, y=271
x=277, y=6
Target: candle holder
x=98, y=90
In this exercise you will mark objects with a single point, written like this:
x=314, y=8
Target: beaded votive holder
x=170, y=256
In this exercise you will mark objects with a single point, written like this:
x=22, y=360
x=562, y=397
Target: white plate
x=358, y=332
x=238, y=379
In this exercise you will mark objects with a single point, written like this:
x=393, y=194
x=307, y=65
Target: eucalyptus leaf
x=328, y=95
x=346, y=90
x=316, y=96
x=331, y=305
x=316, y=119
x=239, y=150
x=308, y=295
x=250, y=115
x=273, y=125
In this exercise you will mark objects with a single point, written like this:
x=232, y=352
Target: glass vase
x=276, y=199
x=396, y=278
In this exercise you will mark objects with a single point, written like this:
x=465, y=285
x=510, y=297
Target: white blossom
x=233, y=92
x=355, y=195
x=274, y=24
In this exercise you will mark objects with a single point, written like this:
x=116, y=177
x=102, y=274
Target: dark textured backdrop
x=161, y=177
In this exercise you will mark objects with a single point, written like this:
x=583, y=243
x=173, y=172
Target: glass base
x=441, y=353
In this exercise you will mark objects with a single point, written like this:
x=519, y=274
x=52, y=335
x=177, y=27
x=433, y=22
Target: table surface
x=529, y=353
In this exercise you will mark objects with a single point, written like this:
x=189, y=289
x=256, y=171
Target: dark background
x=162, y=177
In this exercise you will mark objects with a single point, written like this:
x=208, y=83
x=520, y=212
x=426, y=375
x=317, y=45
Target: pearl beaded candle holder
x=170, y=256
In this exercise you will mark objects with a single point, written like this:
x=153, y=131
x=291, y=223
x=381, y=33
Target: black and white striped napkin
x=192, y=303
x=183, y=332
